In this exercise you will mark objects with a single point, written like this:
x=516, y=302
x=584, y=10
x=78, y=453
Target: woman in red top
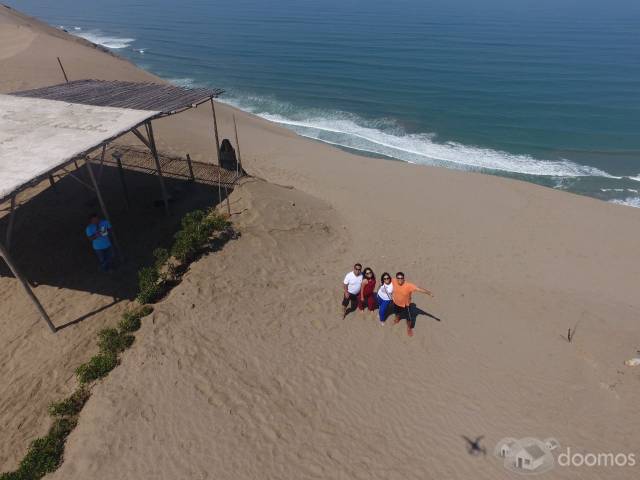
x=367, y=292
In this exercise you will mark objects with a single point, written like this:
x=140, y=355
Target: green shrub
x=131, y=320
x=215, y=222
x=149, y=287
x=161, y=255
x=97, y=367
x=45, y=453
x=112, y=340
x=72, y=405
x=197, y=227
x=129, y=323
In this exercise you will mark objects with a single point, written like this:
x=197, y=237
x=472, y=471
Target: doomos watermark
x=534, y=456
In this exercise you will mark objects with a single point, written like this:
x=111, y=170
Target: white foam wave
x=77, y=28
x=97, y=37
x=632, y=190
x=637, y=179
x=629, y=201
x=183, y=82
x=352, y=132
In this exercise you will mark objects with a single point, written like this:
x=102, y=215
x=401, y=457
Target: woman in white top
x=385, y=296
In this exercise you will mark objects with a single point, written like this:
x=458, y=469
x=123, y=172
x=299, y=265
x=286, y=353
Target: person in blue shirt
x=98, y=232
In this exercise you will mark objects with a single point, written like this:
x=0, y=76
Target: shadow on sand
x=49, y=243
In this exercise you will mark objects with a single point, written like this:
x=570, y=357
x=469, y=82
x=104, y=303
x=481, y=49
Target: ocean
x=543, y=91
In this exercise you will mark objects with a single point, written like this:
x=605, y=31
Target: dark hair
x=373, y=275
x=357, y=265
x=93, y=215
x=400, y=273
x=385, y=274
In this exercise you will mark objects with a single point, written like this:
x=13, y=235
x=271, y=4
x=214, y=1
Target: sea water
x=543, y=91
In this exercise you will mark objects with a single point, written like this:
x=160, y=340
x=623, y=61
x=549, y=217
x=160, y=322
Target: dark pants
x=405, y=312
x=352, y=299
x=105, y=257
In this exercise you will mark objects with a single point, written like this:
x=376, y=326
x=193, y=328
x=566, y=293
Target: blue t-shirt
x=102, y=229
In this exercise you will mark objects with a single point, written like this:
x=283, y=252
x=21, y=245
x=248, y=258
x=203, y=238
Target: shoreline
x=363, y=135
x=590, y=181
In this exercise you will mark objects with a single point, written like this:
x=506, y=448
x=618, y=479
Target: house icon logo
x=528, y=456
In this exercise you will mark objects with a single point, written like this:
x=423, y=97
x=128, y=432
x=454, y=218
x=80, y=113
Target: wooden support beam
x=12, y=217
x=239, y=159
x=23, y=281
x=215, y=131
x=52, y=182
x=137, y=133
x=75, y=162
x=226, y=193
x=219, y=187
x=104, y=149
x=63, y=72
x=154, y=152
x=190, y=165
x=81, y=182
x=118, y=157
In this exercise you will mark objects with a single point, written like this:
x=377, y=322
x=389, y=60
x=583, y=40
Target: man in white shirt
x=352, y=285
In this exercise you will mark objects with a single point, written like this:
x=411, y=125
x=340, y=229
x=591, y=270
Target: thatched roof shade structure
x=45, y=129
x=165, y=99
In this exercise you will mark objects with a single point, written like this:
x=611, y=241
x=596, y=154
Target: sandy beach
x=247, y=370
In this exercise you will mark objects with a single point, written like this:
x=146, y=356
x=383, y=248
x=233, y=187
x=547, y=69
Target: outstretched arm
x=424, y=290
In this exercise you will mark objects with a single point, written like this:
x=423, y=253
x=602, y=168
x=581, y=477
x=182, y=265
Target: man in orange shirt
x=402, y=300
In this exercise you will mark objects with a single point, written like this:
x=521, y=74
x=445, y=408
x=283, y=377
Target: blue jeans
x=105, y=257
x=382, y=308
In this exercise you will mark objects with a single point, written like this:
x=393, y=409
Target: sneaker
x=382, y=323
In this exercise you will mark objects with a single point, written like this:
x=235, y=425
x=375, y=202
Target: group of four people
x=360, y=292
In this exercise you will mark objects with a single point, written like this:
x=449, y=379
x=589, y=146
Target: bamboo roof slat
x=166, y=99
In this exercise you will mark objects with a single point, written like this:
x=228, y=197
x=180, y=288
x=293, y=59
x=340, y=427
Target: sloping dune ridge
x=246, y=370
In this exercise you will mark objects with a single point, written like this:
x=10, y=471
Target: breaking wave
x=386, y=138
x=629, y=201
x=108, y=41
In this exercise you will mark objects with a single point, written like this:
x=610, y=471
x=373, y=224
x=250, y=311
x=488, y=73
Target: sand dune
x=247, y=370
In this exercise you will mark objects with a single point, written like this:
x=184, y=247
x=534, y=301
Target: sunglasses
x=386, y=278
x=400, y=278
x=357, y=269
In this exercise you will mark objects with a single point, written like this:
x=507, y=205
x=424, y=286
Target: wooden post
x=118, y=157
x=219, y=186
x=104, y=149
x=63, y=72
x=53, y=183
x=12, y=266
x=239, y=159
x=190, y=165
x=226, y=192
x=103, y=206
x=215, y=131
x=154, y=152
x=12, y=216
